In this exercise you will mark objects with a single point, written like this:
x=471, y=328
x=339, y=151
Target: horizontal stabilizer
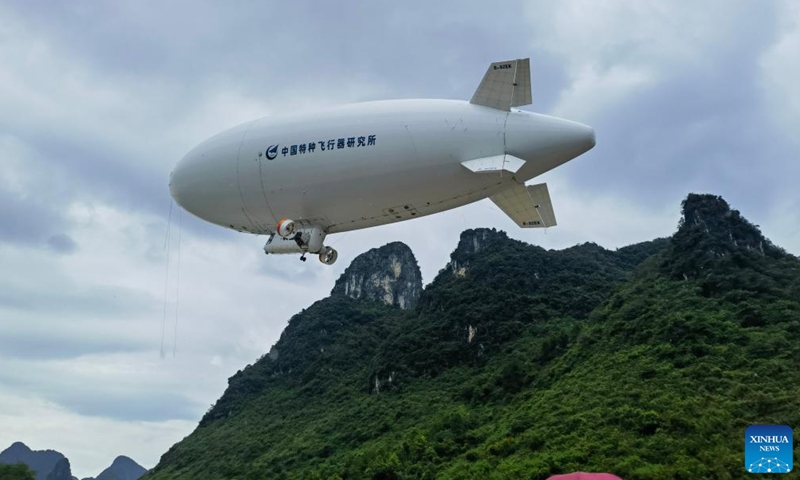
x=494, y=164
x=506, y=84
x=528, y=207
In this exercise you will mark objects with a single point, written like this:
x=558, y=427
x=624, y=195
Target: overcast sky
x=98, y=100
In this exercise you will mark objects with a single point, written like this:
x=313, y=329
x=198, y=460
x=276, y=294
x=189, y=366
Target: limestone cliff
x=388, y=274
x=472, y=241
x=712, y=237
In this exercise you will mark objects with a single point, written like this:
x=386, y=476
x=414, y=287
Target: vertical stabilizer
x=506, y=84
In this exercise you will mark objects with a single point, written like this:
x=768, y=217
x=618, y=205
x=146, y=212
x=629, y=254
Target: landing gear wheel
x=328, y=256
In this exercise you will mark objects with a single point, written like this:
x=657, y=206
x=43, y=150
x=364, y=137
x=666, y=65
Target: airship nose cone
x=590, y=139
x=576, y=137
x=546, y=142
x=184, y=184
x=566, y=137
x=589, y=135
x=570, y=139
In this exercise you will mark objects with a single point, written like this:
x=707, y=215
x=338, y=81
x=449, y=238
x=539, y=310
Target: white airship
x=301, y=177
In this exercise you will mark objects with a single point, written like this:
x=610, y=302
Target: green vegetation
x=648, y=361
x=16, y=471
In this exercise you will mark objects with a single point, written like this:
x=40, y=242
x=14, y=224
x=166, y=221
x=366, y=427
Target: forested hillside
x=519, y=362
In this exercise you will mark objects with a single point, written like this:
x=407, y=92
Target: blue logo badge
x=272, y=152
x=768, y=449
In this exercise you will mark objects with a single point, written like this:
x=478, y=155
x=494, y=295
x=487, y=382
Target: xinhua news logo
x=768, y=449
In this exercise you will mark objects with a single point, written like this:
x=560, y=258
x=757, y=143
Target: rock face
x=40, y=461
x=61, y=471
x=123, y=468
x=474, y=240
x=710, y=218
x=388, y=274
x=470, y=243
x=713, y=237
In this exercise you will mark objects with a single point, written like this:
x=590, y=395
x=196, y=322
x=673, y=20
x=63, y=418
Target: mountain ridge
x=41, y=462
x=122, y=468
x=517, y=361
x=53, y=465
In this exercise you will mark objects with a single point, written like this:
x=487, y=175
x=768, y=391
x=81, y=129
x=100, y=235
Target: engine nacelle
x=328, y=255
x=286, y=228
x=304, y=240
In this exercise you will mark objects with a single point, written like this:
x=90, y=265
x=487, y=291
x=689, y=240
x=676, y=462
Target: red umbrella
x=585, y=476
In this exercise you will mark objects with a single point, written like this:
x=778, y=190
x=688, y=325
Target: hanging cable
x=169, y=223
x=178, y=287
x=166, y=279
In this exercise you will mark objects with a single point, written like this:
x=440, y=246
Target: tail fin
x=528, y=207
x=506, y=84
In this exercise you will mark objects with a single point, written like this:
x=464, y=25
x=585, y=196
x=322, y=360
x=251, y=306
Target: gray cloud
x=698, y=121
x=70, y=339
x=62, y=243
x=26, y=221
x=105, y=301
x=117, y=397
x=701, y=129
x=131, y=405
x=53, y=318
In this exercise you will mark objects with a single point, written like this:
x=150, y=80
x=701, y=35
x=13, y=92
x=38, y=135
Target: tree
x=16, y=471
